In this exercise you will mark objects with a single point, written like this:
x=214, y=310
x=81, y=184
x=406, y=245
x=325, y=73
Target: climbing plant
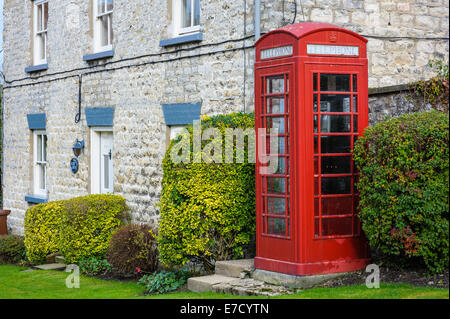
x=434, y=91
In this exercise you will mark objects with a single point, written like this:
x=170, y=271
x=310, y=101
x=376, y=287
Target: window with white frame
x=40, y=19
x=102, y=169
x=40, y=162
x=186, y=16
x=103, y=32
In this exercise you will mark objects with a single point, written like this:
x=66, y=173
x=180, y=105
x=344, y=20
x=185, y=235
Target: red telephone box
x=311, y=85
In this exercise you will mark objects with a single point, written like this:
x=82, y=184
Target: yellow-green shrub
x=79, y=227
x=42, y=230
x=87, y=224
x=207, y=210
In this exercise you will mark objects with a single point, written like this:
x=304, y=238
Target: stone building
x=123, y=76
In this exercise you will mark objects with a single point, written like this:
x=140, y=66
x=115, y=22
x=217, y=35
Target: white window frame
x=39, y=162
x=95, y=152
x=38, y=32
x=96, y=16
x=177, y=18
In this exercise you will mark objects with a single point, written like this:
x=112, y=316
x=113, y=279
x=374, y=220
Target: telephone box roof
x=302, y=29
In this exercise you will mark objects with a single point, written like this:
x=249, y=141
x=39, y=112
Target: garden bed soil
x=414, y=277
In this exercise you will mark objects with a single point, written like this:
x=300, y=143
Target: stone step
x=250, y=287
x=60, y=260
x=54, y=266
x=205, y=283
x=240, y=268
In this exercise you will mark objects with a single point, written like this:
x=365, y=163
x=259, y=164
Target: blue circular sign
x=74, y=165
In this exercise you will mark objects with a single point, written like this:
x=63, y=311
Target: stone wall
x=220, y=76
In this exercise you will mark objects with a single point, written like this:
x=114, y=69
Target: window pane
x=106, y=170
x=276, y=123
x=316, y=146
x=335, y=123
x=41, y=44
x=337, y=226
x=279, y=147
x=335, y=82
x=275, y=84
x=101, y=6
x=316, y=207
x=315, y=81
x=336, y=185
x=282, y=146
x=336, y=206
x=276, y=226
x=276, y=185
x=39, y=148
x=355, y=83
x=316, y=227
x=45, y=15
x=334, y=103
x=315, y=103
x=109, y=5
x=104, y=30
x=335, y=144
x=39, y=17
x=276, y=205
x=44, y=150
x=110, y=29
x=355, y=103
x=335, y=164
x=275, y=105
x=41, y=168
x=186, y=13
x=355, y=124
x=275, y=168
x=196, y=12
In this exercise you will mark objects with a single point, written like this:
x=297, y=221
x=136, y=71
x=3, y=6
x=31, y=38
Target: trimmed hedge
x=404, y=184
x=207, y=210
x=78, y=228
x=42, y=230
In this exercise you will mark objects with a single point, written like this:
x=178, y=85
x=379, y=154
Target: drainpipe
x=257, y=19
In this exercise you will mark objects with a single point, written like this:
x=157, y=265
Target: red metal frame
x=310, y=242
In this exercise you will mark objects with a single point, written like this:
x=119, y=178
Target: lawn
x=15, y=283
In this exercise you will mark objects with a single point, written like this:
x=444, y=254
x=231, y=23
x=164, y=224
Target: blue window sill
x=98, y=55
x=36, y=199
x=195, y=37
x=36, y=68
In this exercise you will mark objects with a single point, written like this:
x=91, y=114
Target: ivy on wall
x=434, y=91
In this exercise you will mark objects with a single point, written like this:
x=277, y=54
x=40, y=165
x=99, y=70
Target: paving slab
x=53, y=266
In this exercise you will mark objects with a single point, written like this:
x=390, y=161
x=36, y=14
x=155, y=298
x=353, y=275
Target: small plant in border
x=93, y=266
x=164, y=281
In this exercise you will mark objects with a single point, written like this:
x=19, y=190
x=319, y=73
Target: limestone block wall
x=218, y=72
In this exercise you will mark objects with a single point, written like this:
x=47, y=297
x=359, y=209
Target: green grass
x=14, y=283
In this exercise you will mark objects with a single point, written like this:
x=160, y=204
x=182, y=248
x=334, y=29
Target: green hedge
x=78, y=228
x=207, y=210
x=404, y=184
